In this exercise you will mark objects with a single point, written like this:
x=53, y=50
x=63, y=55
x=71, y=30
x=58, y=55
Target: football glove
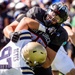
x=14, y=36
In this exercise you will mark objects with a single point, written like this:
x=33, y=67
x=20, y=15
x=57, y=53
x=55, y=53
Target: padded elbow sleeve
x=19, y=19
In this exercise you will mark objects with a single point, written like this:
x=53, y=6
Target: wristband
x=42, y=28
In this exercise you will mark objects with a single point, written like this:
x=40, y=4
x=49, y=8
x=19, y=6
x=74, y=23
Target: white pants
x=62, y=62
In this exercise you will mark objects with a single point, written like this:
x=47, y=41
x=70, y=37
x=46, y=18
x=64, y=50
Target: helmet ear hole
x=30, y=62
x=27, y=62
x=41, y=52
x=34, y=51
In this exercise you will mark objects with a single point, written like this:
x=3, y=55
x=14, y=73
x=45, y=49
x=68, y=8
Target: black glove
x=51, y=30
x=14, y=36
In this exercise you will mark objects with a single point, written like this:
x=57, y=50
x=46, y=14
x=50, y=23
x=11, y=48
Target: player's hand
x=51, y=30
x=14, y=36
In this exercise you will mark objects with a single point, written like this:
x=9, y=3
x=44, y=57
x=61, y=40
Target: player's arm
x=50, y=57
x=24, y=23
x=32, y=13
x=10, y=28
x=68, y=28
x=71, y=34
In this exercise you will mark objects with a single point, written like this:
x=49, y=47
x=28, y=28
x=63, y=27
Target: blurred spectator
x=73, y=24
x=4, y=20
x=68, y=3
x=44, y=4
x=34, y=3
x=53, y=1
x=20, y=7
x=15, y=1
x=47, y=3
x=72, y=9
x=28, y=3
x=11, y=10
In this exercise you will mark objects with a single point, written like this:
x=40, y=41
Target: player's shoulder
x=36, y=9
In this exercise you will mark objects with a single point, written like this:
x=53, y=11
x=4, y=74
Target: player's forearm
x=7, y=30
x=72, y=38
x=71, y=34
x=33, y=24
x=10, y=28
x=26, y=23
x=47, y=64
x=50, y=57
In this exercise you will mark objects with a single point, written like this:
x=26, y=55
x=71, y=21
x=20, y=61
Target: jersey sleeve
x=36, y=13
x=19, y=19
x=27, y=71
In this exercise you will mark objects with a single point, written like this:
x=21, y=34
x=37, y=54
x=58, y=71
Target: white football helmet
x=34, y=54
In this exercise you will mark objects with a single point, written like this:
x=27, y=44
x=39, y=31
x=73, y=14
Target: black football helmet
x=59, y=9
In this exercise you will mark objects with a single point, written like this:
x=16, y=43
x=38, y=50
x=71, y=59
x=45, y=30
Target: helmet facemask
x=60, y=11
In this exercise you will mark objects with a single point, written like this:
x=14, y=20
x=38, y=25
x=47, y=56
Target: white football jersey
x=11, y=61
